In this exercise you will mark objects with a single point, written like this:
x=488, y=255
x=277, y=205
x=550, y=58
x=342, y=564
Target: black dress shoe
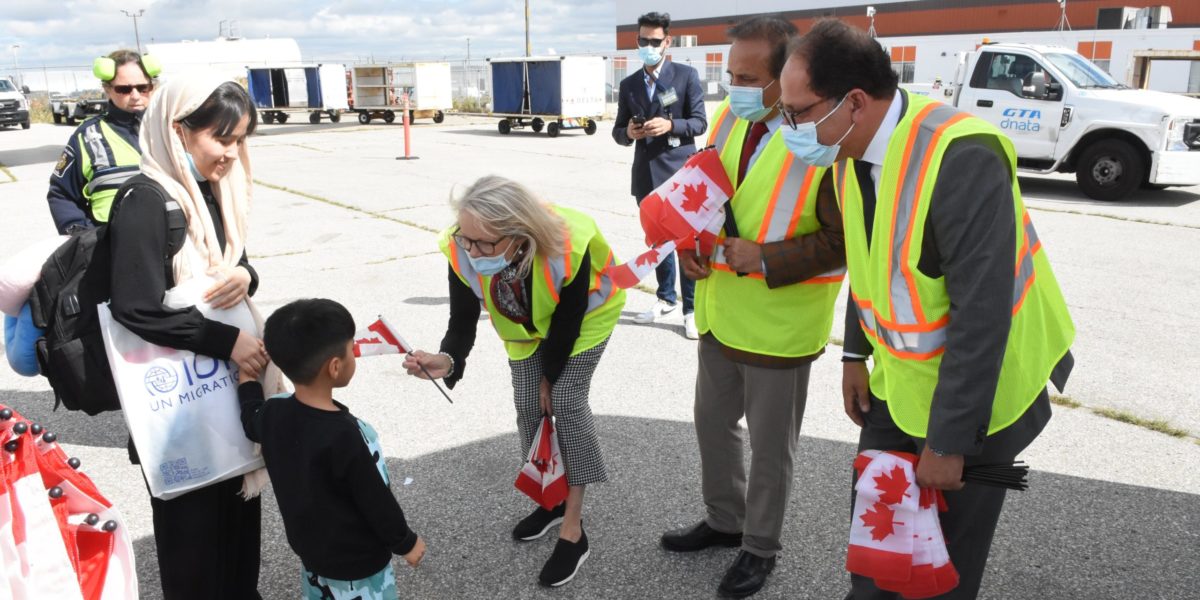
x=746, y=576
x=699, y=537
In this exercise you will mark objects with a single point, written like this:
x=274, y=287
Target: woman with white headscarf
x=193, y=143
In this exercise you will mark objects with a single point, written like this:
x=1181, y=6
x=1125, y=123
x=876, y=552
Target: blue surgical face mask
x=490, y=265
x=650, y=55
x=802, y=142
x=192, y=165
x=747, y=102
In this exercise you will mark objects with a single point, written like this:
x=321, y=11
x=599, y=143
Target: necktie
x=862, y=170
x=755, y=136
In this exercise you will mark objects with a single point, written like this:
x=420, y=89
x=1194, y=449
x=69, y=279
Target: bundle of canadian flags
x=685, y=213
x=895, y=536
x=59, y=536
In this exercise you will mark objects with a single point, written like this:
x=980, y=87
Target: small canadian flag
x=627, y=275
x=379, y=338
x=543, y=477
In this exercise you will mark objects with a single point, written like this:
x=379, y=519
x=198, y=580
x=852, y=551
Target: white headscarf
x=165, y=161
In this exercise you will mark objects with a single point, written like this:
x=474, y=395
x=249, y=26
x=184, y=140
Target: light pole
x=134, y=16
x=17, y=65
x=528, y=48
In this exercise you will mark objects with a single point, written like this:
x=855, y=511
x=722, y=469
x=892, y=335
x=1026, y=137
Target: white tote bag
x=181, y=408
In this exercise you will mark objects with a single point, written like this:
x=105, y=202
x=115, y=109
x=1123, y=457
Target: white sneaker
x=689, y=327
x=660, y=308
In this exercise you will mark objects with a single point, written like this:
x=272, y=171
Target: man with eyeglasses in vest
x=764, y=309
x=103, y=152
x=951, y=291
x=660, y=111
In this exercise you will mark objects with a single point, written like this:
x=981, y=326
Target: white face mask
x=747, y=101
x=802, y=141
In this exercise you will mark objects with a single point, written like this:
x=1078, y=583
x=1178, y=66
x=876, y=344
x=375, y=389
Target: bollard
x=407, y=133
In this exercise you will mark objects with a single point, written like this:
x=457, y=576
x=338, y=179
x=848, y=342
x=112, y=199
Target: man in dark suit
x=660, y=112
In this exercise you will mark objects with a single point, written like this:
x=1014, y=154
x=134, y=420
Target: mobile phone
x=639, y=120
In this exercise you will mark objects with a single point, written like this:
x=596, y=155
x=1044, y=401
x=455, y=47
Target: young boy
x=326, y=465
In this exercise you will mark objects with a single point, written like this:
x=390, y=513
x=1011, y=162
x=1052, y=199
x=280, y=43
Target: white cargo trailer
x=319, y=90
x=377, y=91
x=551, y=92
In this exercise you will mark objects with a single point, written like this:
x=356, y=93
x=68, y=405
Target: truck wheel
x=1109, y=170
x=389, y=117
x=537, y=125
x=57, y=119
x=267, y=118
x=552, y=128
x=281, y=117
x=25, y=125
x=335, y=116
x=70, y=120
x=504, y=126
x=314, y=118
x=590, y=128
x=364, y=117
x=439, y=116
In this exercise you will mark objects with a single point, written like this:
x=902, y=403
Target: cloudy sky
x=64, y=33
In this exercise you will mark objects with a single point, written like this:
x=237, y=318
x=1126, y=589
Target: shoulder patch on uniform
x=64, y=162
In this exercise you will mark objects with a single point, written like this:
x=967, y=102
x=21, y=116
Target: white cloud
x=72, y=32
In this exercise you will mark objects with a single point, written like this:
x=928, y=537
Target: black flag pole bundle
x=1009, y=475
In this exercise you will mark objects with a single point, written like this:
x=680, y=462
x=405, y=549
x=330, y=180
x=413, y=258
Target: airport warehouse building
x=926, y=37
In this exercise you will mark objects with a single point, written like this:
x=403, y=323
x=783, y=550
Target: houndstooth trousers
x=573, y=421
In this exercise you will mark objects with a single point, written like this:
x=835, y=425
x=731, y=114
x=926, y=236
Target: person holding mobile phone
x=660, y=112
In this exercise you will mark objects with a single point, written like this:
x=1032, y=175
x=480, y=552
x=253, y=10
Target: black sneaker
x=564, y=563
x=538, y=523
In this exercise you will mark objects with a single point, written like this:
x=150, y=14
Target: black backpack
x=63, y=304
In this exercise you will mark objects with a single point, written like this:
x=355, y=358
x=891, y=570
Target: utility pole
x=136, y=35
x=528, y=48
x=17, y=65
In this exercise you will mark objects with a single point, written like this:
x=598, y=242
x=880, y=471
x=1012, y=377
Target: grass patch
x=1159, y=425
x=292, y=253
x=1066, y=401
x=345, y=206
x=11, y=178
x=1114, y=217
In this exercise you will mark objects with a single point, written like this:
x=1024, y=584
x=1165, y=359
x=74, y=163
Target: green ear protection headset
x=105, y=68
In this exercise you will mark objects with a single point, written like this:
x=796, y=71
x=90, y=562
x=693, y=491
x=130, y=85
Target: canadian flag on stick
x=896, y=536
x=379, y=338
x=627, y=275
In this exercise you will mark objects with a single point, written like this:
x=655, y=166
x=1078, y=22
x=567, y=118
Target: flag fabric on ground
x=379, y=338
x=895, y=536
x=627, y=275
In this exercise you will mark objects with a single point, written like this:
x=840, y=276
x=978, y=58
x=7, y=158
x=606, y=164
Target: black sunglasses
x=656, y=42
x=125, y=90
x=467, y=243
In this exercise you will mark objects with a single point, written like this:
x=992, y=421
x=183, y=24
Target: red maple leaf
x=880, y=521
x=647, y=259
x=893, y=487
x=694, y=197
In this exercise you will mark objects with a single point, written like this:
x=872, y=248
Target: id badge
x=668, y=97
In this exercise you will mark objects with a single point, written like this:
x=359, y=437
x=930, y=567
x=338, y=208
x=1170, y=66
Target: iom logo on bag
x=161, y=379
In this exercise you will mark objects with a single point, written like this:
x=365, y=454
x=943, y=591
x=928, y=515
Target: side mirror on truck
x=25, y=90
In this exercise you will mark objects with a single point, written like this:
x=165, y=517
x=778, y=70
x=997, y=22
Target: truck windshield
x=6, y=86
x=1082, y=72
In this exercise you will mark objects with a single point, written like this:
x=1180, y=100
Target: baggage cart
x=316, y=90
x=550, y=92
x=377, y=91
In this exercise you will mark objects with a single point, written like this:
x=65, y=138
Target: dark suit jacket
x=654, y=160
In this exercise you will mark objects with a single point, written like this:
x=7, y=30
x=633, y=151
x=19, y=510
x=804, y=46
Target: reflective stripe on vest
x=107, y=162
x=111, y=180
x=722, y=127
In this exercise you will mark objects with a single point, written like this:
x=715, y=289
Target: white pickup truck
x=14, y=105
x=1065, y=114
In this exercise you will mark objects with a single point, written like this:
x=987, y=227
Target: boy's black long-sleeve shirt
x=338, y=511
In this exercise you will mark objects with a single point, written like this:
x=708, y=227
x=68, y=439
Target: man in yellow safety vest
x=951, y=292
x=764, y=308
